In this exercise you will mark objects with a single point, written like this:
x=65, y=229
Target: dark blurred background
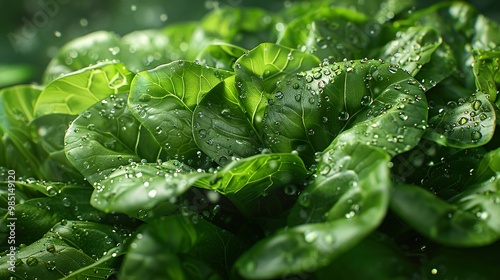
x=31, y=31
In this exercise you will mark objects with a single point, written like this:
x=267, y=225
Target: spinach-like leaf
x=468, y=219
x=309, y=110
x=42, y=213
x=73, y=93
x=17, y=145
x=486, y=71
x=82, y=52
x=332, y=33
x=462, y=122
x=220, y=55
x=68, y=247
x=221, y=129
x=412, y=48
x=138, y=188
x=341, y=206
x=243, y=181
x=259, y=72
x=164, y=98
x=182, y=248
x=106, y=136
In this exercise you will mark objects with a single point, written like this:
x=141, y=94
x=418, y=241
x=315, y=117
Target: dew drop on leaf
x=279, y=94
x=32, y=261
x=343, y=116
x=476, y=135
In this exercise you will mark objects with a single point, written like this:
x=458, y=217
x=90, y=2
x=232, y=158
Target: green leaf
x=139, y=188
x=42, y=213
x=375, y=253
x=245, y=180
x=220, y=55
x=242, y=26
x=259, y=72
x=378, y=103
x=12, y=74
x=486, y=71
x=442, y=65
x=75, y=92
x=412, y=48
x=63, y=250
x=464, y=123
x=182, y=248
x=471, y=218
x=54, y=163
x=164, y=98
x=332, y=33
x=107, y=136
x=344, y=203
x=220, y=126
x=83, y=52
x=17, y=145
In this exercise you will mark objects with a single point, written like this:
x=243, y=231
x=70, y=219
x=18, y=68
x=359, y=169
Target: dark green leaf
x=245, y=180
x=382, y=104
x=164, y=98
x=462, y=123
x=139, y=188
x=486, y=71
x=468, y=219
x=179, y=247
x=412, y=48
x=341, y=206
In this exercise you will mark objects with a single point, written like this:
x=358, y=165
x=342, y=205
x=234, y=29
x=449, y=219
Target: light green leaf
x=220, y=55
x=245, y=180
x=74, y=93
x=17, y=145
x=107, y=136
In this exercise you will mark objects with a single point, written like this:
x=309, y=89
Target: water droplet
x=86, y=165
x=311, y=236
x=295, y=86
x=476, y=105
x=202, y=133
x=392, y=68
x=58, y=34
x=145, y=98
x=87, y=114
x=462, y=121
x=152, y=193
x=51, y=248
x=476, y=135
x=158, y=130
x=66, y=202
x=279, y=95
x=317, y=75
x=402, y=116
x=32, y=261
x=343, y=116
x=309, y=78
x=223, y=160
x=305, y=199
x=366, y=100
x=298, y=97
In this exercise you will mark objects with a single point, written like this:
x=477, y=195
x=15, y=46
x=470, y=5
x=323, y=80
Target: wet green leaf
x=341, y=206
x=163, y=99
x=106, y=136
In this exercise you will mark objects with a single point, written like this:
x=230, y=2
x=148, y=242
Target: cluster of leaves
x=325, y=138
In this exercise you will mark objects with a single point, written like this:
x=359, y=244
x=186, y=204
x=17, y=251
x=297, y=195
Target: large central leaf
x=164, y=98
x=383, y=104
